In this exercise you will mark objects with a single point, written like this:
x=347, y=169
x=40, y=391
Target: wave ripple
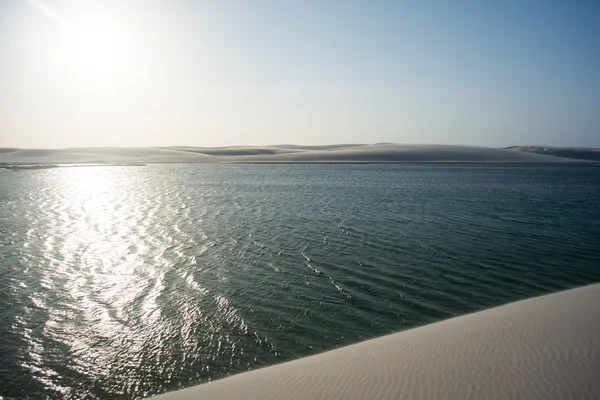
x=128, y=282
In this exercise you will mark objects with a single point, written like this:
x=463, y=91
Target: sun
x=95, y=47
x=94, y=41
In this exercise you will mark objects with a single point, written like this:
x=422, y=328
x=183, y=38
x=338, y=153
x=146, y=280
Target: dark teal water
x=131, y=281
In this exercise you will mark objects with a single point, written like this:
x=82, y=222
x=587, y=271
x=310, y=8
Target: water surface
x=131, y=281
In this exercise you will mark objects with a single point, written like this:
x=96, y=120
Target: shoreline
x=34, y=166
x=290, y=154
x=546, y=347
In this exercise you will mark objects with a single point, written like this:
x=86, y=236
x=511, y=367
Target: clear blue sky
x=133, y=73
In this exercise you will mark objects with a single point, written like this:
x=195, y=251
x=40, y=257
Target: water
x=131, y=281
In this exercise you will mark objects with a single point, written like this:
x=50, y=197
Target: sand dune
x=347, y=153
x=577, y=153
x=542, y=348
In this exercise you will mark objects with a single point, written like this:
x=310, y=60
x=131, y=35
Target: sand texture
x=542, y=348
x=346, y=153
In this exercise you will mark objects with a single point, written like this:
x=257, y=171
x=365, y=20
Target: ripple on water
x=130, y=281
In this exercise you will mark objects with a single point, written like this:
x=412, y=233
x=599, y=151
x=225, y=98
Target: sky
x=81, y=73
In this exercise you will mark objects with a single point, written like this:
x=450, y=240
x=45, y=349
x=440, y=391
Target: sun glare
x=95, y=47
x=95, y=41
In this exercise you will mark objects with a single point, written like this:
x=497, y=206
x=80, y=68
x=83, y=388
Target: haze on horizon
x=80, y=73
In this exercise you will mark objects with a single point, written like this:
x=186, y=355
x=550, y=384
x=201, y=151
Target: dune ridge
x=344, y=153
x=542, y=348
x=577, y=153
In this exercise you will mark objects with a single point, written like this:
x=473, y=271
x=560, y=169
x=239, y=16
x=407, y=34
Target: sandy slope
x=577, y=153
x=542, y=348
x=383, y=152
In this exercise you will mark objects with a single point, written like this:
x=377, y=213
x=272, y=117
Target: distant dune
x=577, y=153
x=541, y=348
x=345, y=153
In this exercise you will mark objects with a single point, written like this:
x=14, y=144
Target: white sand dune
x=542, y=348
x=578, y=153
x=347, y=153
